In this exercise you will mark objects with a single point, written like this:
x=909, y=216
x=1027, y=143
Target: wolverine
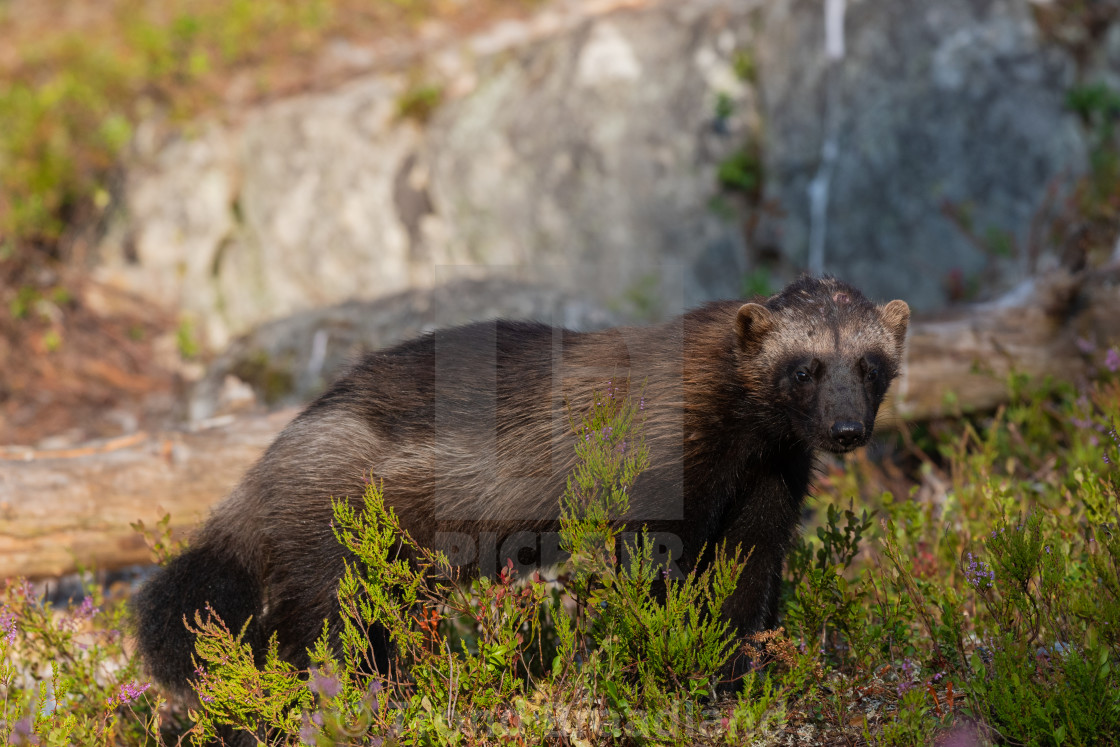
x=468, y=431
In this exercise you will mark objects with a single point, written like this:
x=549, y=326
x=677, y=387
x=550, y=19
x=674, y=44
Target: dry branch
x=64, y=508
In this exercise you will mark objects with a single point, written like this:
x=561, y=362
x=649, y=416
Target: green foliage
x=159, y=540
x=646, y=663
x=759, y=710
x=1098, y=106
x=987, y=600
x=399, y=585
x=678, y=644
x=821, y=604
x=610, y=456
x=272, y=376
x=758, y=282
x=72, y=95
x=71, y=105
x=648, y=644
x=1047, y=673
x=991, y=594
x=746, y=66
x=186, y=339
x=420, y=101
x=725, y=106
x=64, y=676
x=742, y=172
x=912, y=726
x=234, y=691
x=643, y=297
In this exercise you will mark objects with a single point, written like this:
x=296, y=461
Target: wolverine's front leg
x=752, y=607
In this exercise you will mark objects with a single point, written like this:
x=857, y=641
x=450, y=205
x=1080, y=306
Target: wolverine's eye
x=802, y=376
x=873, y=375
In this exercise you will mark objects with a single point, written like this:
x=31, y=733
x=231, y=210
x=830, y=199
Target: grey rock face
x=955, y=104
x=599, y=148
x=587, y=155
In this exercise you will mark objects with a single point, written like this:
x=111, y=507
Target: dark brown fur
x=469, y=431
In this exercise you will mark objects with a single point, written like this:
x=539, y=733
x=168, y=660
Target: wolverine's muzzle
x=847, y=435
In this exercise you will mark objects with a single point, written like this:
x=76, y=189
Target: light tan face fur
x=826, y=354
x=828, y=328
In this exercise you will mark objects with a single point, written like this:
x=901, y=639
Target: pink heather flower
x=8, y=624
x=307, y=729
x=128, y=692
x=87, y=609
x=326, y=685
x=375, y=688
x=978, y=573
x=1112, y=360
x=906, y=680
x=1085, y=346
x=84, y=612
x=21, y=732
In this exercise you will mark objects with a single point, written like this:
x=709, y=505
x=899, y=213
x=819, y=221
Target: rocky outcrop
x=900, y=145
x=955, y=106
x=588, y=156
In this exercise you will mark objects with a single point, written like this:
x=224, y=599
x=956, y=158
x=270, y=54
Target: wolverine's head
x=825, y=356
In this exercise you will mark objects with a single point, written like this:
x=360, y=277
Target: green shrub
x=65, y=677
x=987, y=600
x=645, y=666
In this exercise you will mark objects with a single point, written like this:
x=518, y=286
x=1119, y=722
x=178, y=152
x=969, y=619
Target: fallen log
x=65, y=509
x=1048, y=326
x=60, y=510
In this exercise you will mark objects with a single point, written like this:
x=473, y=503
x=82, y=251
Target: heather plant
x=972, y=584
x=820, y=603
x=998, y=568
x=469, y=660
x=1020, y=626
x=649, y=640
x=234, y=692
x=759, y=709
x=64, y=676
x=1047, y=672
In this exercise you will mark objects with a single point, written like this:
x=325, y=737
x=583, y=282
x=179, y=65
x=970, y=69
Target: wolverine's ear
x=752, y=323
x=896, y=318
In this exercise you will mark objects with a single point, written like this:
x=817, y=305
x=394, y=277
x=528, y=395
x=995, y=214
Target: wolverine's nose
x=847, y=433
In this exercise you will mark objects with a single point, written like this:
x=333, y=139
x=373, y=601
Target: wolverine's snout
x=847, y=434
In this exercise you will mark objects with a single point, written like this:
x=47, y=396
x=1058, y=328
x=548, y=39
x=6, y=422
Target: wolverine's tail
x=209, y=573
